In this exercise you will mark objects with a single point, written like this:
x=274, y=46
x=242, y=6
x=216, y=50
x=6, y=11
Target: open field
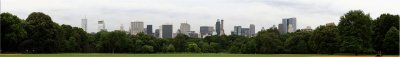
x=179, y=55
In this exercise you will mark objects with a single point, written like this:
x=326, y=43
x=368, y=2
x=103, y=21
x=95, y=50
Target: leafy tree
x=44, y=32
x=391, y=41
x=12, y=32
x=355, y=32
x=192, y=47
x=147, y=49
x=297, y=42
x=381, y=25
x=179, y=42
x=324, y=39
x=268, y=41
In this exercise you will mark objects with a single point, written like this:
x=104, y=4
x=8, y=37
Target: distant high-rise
x=185, y=28
x=149, y=29
x=157, y=33
x=102, y=25
x=121, y=27
x=222, y=27
x=206, y=30
x=288, y=25
x=84, y=24
x=252, y=30
x=193, y=34
x=137, y=27
x=166, y=31
x=245, y=32
x=237, y=30
x=218, y=27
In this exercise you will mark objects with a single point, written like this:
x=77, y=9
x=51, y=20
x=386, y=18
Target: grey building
x=288, y=25
x=252, y=30
x=167, y=31
x=206, y=30
x=218, y=27
x=193, y=34
x=245, y=32
x=149, y=30
x=157, y=33
x=237, y=30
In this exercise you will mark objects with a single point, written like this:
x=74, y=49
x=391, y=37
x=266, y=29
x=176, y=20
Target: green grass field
x=172, y=55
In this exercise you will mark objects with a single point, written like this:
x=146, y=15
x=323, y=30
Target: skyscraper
x=206, y=30
x=288, y=25
x=157, y=33
x=149, y=30
x=218, y=27
x=185, y=28
x=237, y=30
x=84, y=24
x=121, y=27
x=245, y=32
x=137, y=27
x=166, y=31
x=222, y=27
x=102, y=25
x=252, y=30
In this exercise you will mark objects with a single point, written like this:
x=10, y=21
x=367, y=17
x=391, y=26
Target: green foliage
x=268, y=41
x=355, y=32
x=391, y=41
x=192, y=47
x=381, y=25
x=12, y=32
x=324, y=39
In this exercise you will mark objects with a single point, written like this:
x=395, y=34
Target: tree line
x=356, y=33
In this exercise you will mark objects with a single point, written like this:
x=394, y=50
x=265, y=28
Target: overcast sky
x=262, y=13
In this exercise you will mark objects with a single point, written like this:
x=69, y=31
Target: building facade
x=84, y=24
x=166, y=31
x=137, y=27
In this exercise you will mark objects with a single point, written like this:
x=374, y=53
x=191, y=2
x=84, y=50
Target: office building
x=157, y=33
x=245, y=32
x=218, y=27
x=102, y=25
x=252, y=30
x=237, y=30
x=222, y=28
x=137, y=27
x=288, y=25
x=193, y=34
x=84, y=24
x=149, y=29
x=166, y=31
x=206, y=31
x=184, y=28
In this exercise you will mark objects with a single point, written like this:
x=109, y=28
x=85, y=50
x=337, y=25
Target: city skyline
x=261, y=13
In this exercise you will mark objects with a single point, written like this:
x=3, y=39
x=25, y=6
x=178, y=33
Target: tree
x=381, y=25
x=391, y=41
x=179, y=42
x=44, y=32
x=147, y=49
x=355, y=32
x=324, y=39
x=192, y=47
x=268, y=41
x=297, y=42
x=12, y=32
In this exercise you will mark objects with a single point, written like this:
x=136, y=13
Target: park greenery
x=356, y=33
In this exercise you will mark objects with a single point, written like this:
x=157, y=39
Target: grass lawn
x=178, y=55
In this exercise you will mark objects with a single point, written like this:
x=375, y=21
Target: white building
x=84, y=24
x=102, y=25
x=136, y=27
x=185, y=28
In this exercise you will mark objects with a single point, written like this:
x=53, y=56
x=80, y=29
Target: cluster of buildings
x=288, y=25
